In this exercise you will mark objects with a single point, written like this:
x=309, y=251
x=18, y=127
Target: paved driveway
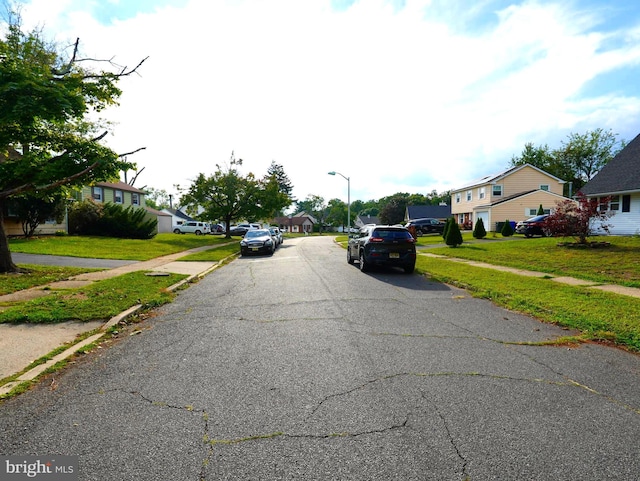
x=298, y=366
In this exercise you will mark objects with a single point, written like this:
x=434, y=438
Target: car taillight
x=376, y=239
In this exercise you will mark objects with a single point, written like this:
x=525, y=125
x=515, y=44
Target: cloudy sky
x=398, y=95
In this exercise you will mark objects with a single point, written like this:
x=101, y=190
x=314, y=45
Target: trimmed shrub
x=507, y=230
x=454, y=236
x=446, y=228
x=110, y=220
x=540, y=210
x=479, y=232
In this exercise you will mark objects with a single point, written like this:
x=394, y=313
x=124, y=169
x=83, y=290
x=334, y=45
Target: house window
x=481, y=193
x=615, y=203
x=497, y=190
x=96, y=193
x=458, y=198
x=469, y=196
x=117, y=197
x=531, y=212
x=603, y=205
x=544, y=187
x=626, y=203
x=135, y=199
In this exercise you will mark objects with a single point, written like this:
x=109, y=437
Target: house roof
x=178, y=213
x=293, y=220
x=493, y=178
x=157, y=212
x=120, y=186
x=620, y=174
x=423, y=211
x=368, y=219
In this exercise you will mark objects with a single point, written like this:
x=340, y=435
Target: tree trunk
x=6, y=264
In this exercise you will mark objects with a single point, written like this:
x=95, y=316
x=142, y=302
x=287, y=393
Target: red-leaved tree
x=579, y=219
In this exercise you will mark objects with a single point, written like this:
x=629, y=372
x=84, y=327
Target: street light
x=348, y=200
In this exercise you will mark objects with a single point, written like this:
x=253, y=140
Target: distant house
x=177, y=216
x=619, y=180
x=125, y=195
x=515, y=194
x=362, y=220
x=299, y=223
x=440, y=212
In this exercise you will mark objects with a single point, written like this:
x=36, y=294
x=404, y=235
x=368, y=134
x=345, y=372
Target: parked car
x=533, y=226
x=217, y=229
x=192, y=227
x=238, y=230
x=277, y=235
x=257, y=241
x=383, y=245
x=427, y=225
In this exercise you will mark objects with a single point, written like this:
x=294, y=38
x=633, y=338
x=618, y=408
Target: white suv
x=192, y=227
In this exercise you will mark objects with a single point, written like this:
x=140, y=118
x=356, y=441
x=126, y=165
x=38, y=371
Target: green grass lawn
x=112, y=248
x=97, y=301
x=617, y=264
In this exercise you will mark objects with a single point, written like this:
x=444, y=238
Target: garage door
x=484, y=215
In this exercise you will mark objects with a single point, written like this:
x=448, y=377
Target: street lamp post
x=348, y=199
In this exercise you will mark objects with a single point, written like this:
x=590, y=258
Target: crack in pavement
x=278, y=434
x=510, y=344
x=445, y=423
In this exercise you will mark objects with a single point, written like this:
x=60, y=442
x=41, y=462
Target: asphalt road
x=300, y=367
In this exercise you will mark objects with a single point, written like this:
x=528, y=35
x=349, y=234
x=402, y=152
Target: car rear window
x=391, y=234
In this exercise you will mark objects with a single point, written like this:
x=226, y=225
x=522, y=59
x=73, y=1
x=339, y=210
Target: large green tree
x=48, y=133
x=337, y=213
x=578, y=159
x=230, y=196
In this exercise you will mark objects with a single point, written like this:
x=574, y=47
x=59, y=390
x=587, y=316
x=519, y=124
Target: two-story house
x=515, y=194
x=125, y=195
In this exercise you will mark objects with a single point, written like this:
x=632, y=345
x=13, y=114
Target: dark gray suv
x=383, y=245
x=428, y=225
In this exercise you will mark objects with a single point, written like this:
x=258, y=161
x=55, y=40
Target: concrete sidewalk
x=22, y=344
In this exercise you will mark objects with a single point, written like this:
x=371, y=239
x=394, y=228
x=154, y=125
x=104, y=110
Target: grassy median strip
x=97, y=301
x=215, y=254
x=112, y=248
x=598, y=315
x=37, y=276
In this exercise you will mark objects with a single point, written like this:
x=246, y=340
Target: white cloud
x=376, y=93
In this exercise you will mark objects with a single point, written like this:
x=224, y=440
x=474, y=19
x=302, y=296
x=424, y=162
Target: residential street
x=300, y=367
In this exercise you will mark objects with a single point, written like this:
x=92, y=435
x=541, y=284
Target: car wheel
x=364, y=267
x=198, y=232
x=350, y=259
x=419, y=233
x=528, y=234
x=176, y=231
x=409, y=269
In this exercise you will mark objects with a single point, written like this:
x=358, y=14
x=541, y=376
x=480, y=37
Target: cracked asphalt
x=300, y=367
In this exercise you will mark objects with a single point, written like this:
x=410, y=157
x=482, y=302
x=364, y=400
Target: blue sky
x=398, y=95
